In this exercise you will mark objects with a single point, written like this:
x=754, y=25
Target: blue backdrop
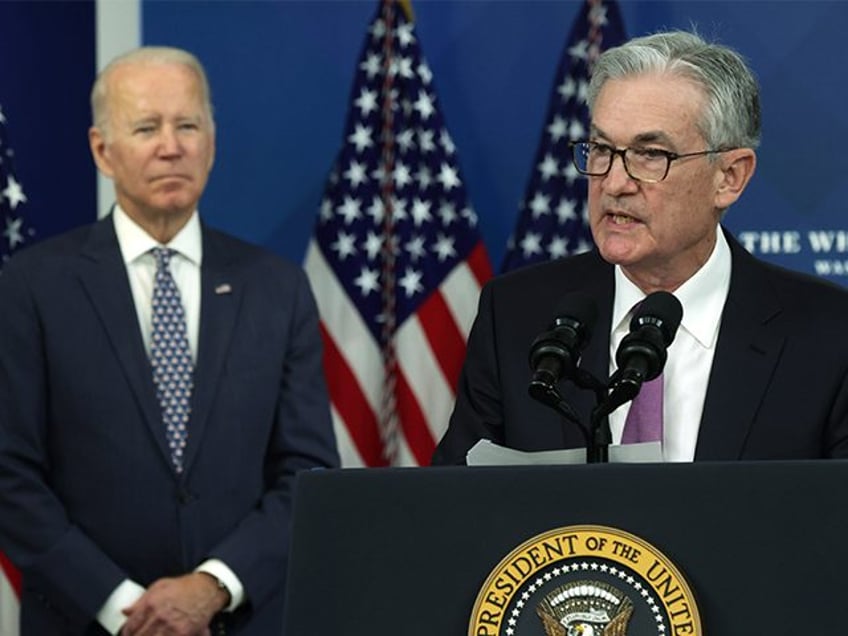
x=281, y=72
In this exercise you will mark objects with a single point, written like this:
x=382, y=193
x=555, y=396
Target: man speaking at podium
x=758, y=368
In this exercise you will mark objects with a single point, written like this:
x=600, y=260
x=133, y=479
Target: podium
x=405, y=552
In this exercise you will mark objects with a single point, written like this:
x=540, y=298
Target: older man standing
x=759, y=367
x=160, y=385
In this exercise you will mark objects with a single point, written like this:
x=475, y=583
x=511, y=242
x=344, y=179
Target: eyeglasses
x=648, y=165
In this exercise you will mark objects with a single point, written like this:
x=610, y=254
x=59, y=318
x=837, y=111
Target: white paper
x=487, y=453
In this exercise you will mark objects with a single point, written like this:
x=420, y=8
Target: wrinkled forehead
x=652, y=107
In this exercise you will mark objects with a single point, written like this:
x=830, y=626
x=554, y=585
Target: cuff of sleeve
x=225, y=576
x=111, y=615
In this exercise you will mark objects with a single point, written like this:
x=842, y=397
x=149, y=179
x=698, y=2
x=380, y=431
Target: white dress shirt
x=135, y=245
x=690, y=356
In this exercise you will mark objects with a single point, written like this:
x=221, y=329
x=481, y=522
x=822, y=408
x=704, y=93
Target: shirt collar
x=702, y=296
x=135, y=242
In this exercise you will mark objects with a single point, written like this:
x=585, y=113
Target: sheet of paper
x=487, y=453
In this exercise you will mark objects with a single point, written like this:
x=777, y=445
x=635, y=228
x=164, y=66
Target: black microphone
x=555, y=353
x=642, y=353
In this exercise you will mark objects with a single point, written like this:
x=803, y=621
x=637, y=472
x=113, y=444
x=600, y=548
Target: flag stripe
x=446, y=341
x=478, y=262
x=414, y=423
x=424, y=376
x=10, y=573
x=343, y=322
x=350, y=404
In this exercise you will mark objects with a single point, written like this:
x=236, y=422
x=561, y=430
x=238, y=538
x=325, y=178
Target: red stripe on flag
x=414, y=423
x=445, y=339
x=478, y=263
x=11, y=573
x=351, y=404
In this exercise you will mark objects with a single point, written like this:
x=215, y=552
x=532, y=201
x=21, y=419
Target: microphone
x=642, y=353
x=555, y=353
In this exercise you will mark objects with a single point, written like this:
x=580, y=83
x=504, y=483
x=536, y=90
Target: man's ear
x=100, y=151
x=737, y=168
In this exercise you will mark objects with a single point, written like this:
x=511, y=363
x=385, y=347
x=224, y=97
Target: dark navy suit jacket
x=778, y=387
x=87, y=493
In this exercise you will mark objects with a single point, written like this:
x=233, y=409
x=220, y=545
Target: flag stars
x=420, y=211
x=361, y=138
x=576, y=130
x=406, y=140
x=372, y=245
x=13, y=192
x=326, y=212
x=567, y=89
x=549, y=167
x=469, y=215
x=557, y=129
x=415, y=248
x=531, y=244
x=579, y=51
x=540, y=204
x=12, y=232
x=368, y=281
x=366, y=102
x=424, y=105
x=349, y=209
x=405, y=34
x=447, y=212
x=356, y=174
x=345, y=245
x=425, y=179
x=570, y=173
x=444, y=247
x=376, y=210
x=425, y=73
x=402, y=175
x=401, y=66
x=410, y=282
x=447, y=142
x=448, y=177
x=566, y=211
x=558, y=247
x=425, y=141
x=371, y=65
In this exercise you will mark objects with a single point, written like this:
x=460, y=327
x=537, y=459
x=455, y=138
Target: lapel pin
x=224, y=288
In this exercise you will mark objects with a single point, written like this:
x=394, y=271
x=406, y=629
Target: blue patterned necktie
x=170, y=357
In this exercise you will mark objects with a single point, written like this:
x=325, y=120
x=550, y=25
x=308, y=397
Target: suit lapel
x=104, y=279
x=220, y=296
x=745, y=358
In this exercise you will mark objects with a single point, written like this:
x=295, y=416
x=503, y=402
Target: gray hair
x=731, y=117
x=146, y=55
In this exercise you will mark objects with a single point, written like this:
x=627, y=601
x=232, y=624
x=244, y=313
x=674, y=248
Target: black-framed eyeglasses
x=648, y=165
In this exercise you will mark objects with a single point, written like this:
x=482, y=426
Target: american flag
x=553, y=217
x=16, y=231
x=14, y=225
x=396, y=261
x=10, y=590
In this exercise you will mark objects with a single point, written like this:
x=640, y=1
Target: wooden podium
x=404, y=552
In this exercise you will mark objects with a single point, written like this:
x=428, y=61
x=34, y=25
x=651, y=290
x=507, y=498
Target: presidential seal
x=585, y=581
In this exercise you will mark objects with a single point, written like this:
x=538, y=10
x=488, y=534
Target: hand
x=182, y=606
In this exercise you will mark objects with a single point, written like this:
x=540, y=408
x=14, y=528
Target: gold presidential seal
x=585, y=581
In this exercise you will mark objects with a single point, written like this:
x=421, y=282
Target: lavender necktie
x=645, y=419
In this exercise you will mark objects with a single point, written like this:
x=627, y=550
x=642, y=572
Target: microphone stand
x=608, y=397
x=598, y=442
